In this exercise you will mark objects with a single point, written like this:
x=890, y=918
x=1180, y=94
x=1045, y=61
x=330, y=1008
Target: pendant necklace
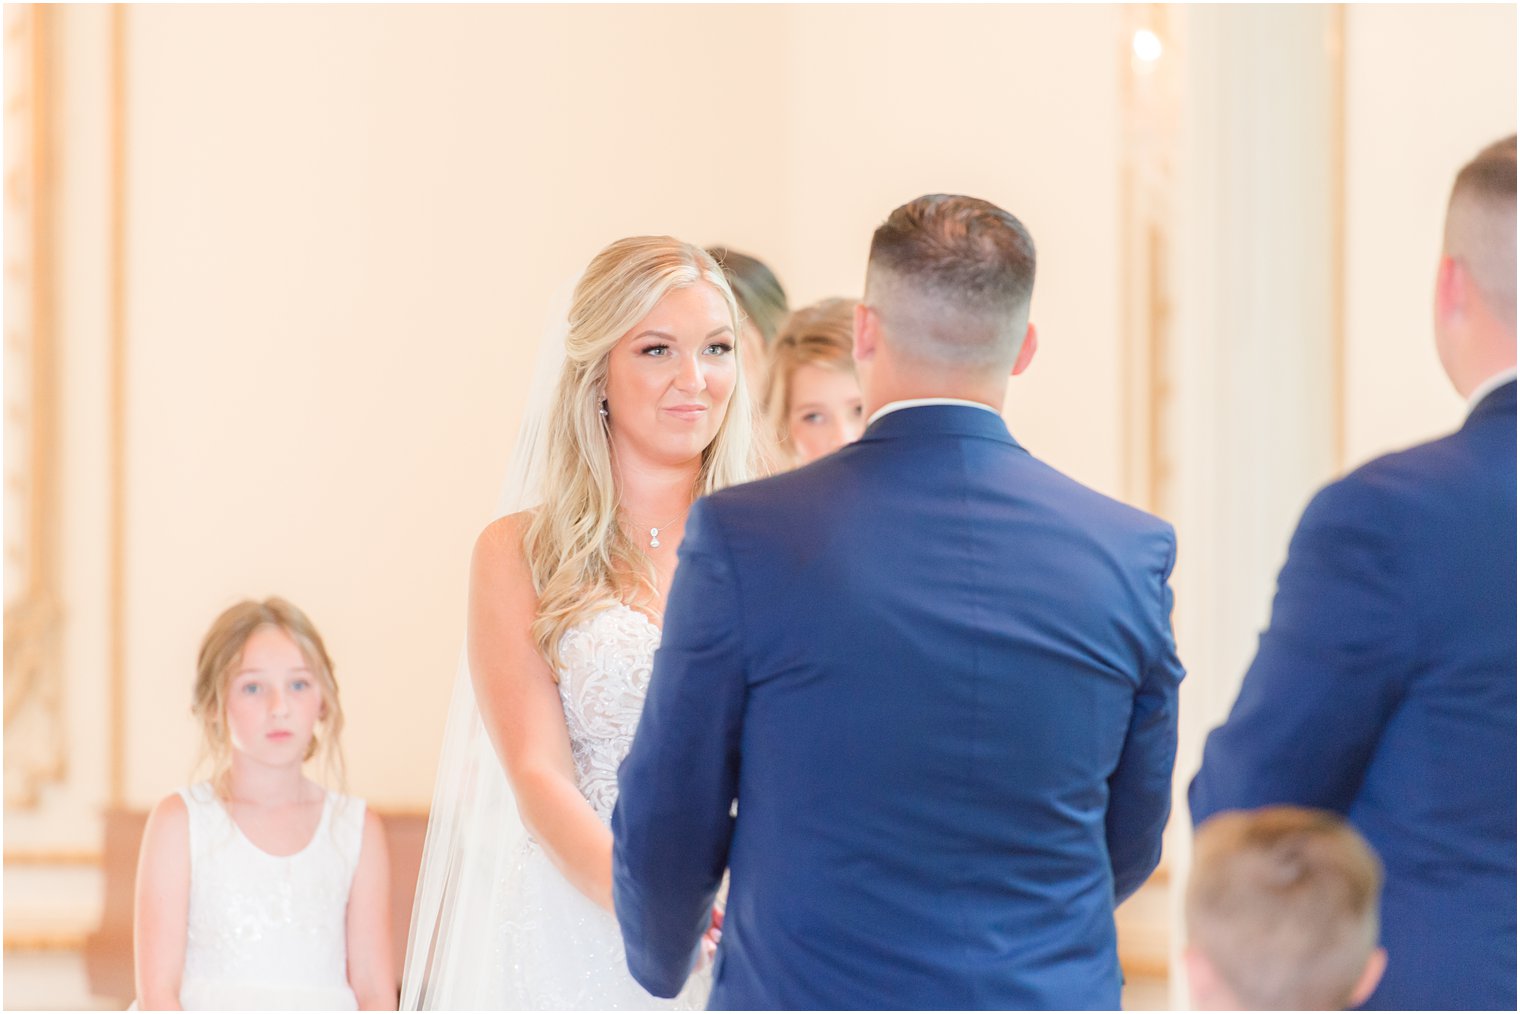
x=654, y=533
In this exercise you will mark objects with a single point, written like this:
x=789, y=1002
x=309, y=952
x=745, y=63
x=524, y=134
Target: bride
x=514, y=900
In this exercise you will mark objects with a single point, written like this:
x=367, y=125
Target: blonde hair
x=221, y=652
x=1283, y=901
x=822, y=334
x=579, y=556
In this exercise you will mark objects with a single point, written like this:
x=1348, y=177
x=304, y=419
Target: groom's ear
x=867, y=332
x=1026, y=351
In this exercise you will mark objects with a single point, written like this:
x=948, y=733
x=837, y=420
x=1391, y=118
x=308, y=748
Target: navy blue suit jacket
x=939, y=679
x=1384, y=689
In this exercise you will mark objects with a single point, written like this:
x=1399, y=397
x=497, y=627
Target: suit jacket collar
x=1489, y=386
x=1498, y=402
x=939, y=420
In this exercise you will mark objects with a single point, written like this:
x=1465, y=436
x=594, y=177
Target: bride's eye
x=658, y=351
x=720, y=348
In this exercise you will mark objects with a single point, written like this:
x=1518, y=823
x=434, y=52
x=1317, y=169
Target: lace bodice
x=266, y=930
x=605, y=661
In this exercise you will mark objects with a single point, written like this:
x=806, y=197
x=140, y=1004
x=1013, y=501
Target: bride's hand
x=708, y=948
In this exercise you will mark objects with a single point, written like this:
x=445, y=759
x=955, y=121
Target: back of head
x=1480, y=226
x=755, y=287
x=951, y=278
x=821, y=334
x=1283, y=902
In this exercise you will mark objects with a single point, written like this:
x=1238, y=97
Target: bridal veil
x=474, y=829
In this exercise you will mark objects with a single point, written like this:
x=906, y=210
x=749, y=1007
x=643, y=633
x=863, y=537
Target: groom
x=920, y=697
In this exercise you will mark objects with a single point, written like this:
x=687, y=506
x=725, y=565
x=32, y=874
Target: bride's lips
x=688, y=413
x=278, y=734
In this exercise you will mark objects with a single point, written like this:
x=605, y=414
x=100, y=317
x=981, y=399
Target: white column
x=1251, y=429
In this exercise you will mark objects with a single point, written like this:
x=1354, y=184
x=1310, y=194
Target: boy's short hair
x=1283, y=902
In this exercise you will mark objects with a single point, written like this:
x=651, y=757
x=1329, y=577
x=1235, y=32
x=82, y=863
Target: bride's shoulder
x=499, y=546
x=507, y=530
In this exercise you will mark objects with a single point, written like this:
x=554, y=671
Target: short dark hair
x=1491, y=173
x=756, y=288
x=961, y=249
x=1480, y=224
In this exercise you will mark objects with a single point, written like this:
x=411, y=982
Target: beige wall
x=1427, y=87
x=344, y=226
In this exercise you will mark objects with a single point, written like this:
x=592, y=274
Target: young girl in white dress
x=566, y=597
x=258, y=888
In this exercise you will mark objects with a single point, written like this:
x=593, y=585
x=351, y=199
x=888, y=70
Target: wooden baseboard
x=1144, y=966
x=45, y=939
x=53, y=857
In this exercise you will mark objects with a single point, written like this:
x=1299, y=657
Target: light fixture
x=1147, y=45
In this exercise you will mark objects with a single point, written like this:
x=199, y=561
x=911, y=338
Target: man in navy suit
x=919, y=697
x=1384, y=688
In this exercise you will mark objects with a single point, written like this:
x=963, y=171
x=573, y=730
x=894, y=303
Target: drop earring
x=603, y=409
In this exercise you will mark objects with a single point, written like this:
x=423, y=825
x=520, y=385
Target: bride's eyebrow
x=670, y=338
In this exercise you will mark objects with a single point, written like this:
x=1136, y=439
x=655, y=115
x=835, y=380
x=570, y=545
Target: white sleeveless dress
x=268, y=932
x=565, y=952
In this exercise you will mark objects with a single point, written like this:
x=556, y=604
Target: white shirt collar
x=894, y=406
x=1489, y=386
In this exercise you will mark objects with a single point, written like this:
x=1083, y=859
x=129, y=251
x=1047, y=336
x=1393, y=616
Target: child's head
x=1282, y=912
x=263, y=682
x=812, y=401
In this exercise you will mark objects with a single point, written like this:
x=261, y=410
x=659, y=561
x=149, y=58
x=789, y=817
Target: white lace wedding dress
x=562, y=951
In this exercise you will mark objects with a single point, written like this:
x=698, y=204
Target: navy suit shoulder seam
x=1163, y=611
x=720, y=536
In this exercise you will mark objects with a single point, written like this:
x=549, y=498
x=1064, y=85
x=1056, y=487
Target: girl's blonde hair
x=222, y=651
x=822, y=334
x=579, y=556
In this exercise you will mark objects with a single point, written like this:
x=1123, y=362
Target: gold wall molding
x=59, y=939
x=53, y=857
x=36, y=740
x=1150, y=107
x=1149, y=52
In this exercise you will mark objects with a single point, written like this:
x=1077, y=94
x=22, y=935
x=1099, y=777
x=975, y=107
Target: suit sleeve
x=1329, y=670
x=1140, y=788
x=671, y=826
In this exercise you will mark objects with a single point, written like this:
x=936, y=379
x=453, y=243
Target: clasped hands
x=707, y=948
